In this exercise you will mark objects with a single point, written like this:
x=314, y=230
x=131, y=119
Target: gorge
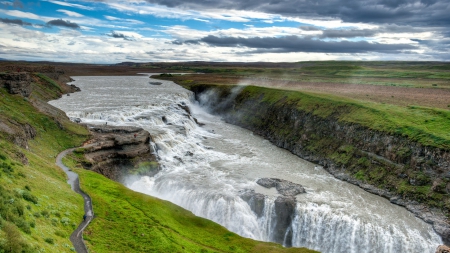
x=211, y=168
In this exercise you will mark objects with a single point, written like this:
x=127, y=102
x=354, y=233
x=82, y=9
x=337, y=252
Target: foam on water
x=206, y=168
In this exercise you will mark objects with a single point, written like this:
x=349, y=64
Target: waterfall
x=211, y=168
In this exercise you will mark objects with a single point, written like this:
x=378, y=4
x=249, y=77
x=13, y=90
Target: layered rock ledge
x=118, y=151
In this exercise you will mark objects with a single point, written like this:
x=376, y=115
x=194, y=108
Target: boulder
x=443, y=249
x=284, y=187
x=256, y=201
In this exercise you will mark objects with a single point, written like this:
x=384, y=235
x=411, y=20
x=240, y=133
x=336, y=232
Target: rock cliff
x=405, y=172
x=117, y=151
x=16, y=83
x=284, y=206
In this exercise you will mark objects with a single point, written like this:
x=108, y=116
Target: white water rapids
x=205, y=168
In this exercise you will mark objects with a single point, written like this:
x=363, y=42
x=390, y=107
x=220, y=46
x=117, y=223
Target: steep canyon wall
x=392, y=166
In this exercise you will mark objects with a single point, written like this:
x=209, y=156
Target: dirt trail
x=77, y=236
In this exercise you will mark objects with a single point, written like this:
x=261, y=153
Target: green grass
x=47, y=80
x=37, y=205
x=428, y=126
x=127, y=221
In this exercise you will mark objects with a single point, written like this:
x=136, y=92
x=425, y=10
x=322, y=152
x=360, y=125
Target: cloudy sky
x=112, y=31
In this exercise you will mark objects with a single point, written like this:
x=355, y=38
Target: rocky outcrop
x=283, y=214
x=256, y=201
x=443, y=249
x=16, y=83
x=284, y=206
x=389, y=165
x=283, y=187
x=117, y=151
x=285, y=210
x=19, y=134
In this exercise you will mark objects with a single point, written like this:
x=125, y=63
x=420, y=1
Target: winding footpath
x=77, y=236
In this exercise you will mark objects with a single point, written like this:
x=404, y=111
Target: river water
x=207, y=167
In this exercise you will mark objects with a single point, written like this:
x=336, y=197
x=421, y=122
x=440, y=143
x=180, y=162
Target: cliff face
x=16, y=83
x=405, y=172
x=119, y=151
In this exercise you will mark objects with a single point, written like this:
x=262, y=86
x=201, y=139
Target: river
x=207, y=167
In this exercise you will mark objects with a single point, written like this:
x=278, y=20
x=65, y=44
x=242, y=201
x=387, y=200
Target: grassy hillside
x=127, y=221
x=429, y=126
x=38, y=210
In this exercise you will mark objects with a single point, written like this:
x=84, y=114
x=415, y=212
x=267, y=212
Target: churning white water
x=206, y=168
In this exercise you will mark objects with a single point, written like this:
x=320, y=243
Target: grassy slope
x=46, y=224
x=428, y=126
x=127, y=221
x=134, y=222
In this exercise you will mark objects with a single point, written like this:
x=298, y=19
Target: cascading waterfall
x=207, y=169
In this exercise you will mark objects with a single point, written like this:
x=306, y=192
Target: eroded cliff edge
x=119, y=151
x=406, y=172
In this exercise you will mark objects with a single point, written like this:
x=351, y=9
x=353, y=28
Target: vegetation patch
x=128, y=221
x=33, y=190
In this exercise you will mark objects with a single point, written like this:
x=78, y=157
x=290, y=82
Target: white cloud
x=124, y=20
x=71, y=13
x=166, y=12
x=111, y=18
x=21, y=14
x=79, y=6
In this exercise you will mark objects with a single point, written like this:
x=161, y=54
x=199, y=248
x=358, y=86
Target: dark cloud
x=309, y=28
x=302, y=44
x=115, y=34
x=419, y=12
x=63, y=23
x=177, y=42
x=14, y=21
x=441, y=45
x=348, y=33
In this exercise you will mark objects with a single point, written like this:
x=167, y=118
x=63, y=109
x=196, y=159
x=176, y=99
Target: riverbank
x=351, y=141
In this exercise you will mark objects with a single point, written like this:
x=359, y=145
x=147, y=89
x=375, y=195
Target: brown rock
x=436, y=185
x=17, y=83
x=115, y=151
x=443, y=249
